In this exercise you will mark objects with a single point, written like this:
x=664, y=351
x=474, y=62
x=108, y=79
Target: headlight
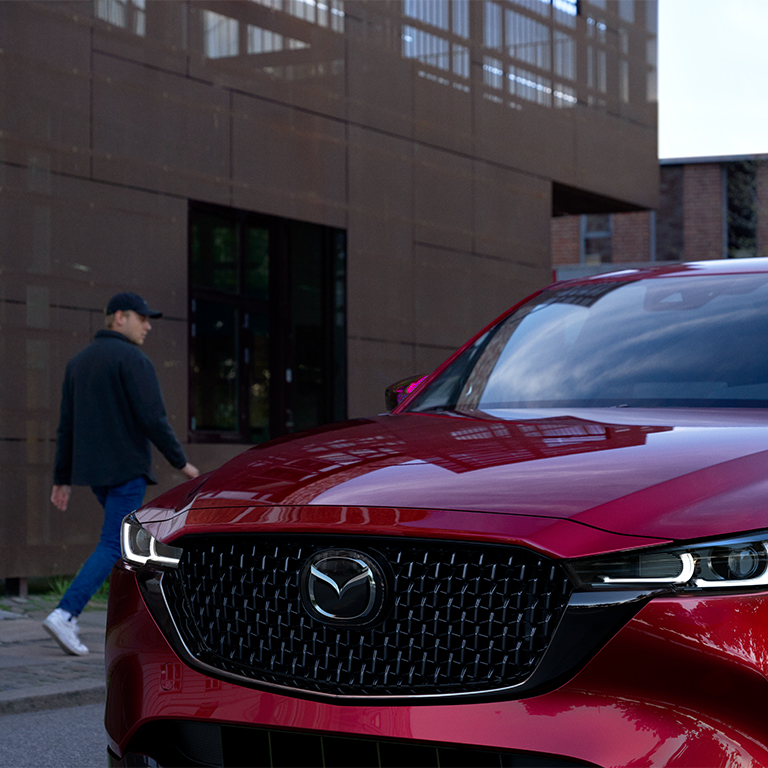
x=141, y=547
x=737, y=563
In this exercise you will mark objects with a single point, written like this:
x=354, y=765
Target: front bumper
x=679, y=685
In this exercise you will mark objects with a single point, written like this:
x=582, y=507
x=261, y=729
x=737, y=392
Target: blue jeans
x=118, y=501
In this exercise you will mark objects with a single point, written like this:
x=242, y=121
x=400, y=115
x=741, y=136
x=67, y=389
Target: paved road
x=57, y=738
x=40, y=688
x=34, y=672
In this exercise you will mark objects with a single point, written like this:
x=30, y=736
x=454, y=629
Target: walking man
x=111, y=410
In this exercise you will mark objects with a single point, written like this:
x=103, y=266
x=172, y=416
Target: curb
x=58, y=696
x=34, y=673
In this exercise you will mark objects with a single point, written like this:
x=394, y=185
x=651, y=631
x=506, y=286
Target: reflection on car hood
x=649, y=474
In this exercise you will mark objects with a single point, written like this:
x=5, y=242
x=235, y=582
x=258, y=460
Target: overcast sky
x=713, y=77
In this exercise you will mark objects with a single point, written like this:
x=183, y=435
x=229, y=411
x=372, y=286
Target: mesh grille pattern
x=463, y=618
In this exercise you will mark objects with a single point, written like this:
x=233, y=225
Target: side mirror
x=395, y=393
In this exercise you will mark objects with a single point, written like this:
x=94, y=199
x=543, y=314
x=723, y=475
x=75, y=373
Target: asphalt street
x=51, y=703
x=56, y=738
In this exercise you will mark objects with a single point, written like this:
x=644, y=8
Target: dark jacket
x=111, y=408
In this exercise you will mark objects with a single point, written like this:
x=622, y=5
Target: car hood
x=658, y=475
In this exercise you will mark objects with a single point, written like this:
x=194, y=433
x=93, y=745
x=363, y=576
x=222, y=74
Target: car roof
x=685, y=269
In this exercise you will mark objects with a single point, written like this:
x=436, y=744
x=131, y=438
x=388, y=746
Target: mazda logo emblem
x=341, y=586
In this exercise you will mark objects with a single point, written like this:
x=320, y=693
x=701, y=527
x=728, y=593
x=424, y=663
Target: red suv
x=552, y=552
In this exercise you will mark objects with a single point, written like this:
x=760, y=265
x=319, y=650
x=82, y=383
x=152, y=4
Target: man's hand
x=190, y=470
x=60, y=496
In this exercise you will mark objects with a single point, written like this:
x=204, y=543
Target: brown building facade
x=321, y=195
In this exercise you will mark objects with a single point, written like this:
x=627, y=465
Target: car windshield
x=699, y=341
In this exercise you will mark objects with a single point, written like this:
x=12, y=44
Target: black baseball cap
x=128, y=300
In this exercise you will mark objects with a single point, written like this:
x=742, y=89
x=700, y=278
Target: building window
x=439, y=40
x=519, y=36
x=627, y=10
x=564, y=64
x=126, y=14
x=528, y=40
x=228, y=36
x=267, y=325
x=624, y=81
x=221, y=35
x=651, y=52
x=515, y=32
x=596, y=233
x=741, y=208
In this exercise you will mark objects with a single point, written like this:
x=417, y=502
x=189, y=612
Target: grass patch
x=58, y=585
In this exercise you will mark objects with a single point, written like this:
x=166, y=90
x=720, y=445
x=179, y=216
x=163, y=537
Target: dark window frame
x=741, y=209
x=283, y=355
x=590, y=236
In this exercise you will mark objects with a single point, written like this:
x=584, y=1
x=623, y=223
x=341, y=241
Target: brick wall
x=565, y=240
x=631, y=238
x=703, y=222
x=689, y=220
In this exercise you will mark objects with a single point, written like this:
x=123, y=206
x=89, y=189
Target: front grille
x=464, y=617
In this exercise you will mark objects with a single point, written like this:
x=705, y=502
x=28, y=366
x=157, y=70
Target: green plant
x=60, y=584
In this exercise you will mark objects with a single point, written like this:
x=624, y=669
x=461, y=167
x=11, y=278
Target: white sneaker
x=62, y=627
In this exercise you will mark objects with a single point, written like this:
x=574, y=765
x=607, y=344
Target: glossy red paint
x=662, y=480
x=679, y=686
x=559, y=538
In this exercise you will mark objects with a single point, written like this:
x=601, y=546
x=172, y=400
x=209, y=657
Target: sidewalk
x=34, y=672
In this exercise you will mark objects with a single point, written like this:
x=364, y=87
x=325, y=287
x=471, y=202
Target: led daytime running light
x=738, y=563
x=687, y=570
x=140, y=547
